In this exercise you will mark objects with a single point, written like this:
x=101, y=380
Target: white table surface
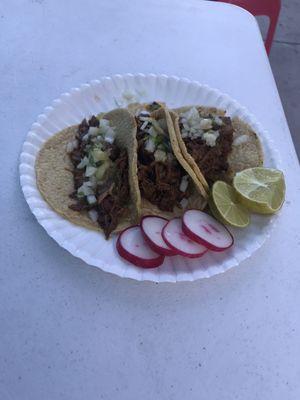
x=69, y=331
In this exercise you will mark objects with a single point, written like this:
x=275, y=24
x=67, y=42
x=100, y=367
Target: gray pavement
x=285, y=62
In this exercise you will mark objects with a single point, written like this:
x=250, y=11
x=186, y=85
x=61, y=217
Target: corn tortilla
x=246, y=154
x=198, y=199
x=54, y=171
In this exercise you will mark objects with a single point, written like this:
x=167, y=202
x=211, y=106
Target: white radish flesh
x=205, y=230
x=179, y=242
x=152, y=227
x=133, y=248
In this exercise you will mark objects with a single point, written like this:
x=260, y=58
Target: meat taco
x=85, y=172
x=215, y=146
x=167, y=183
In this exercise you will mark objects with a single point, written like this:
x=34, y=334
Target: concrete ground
x=285, y=62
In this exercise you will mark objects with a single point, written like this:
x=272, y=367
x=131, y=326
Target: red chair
x=270, y=8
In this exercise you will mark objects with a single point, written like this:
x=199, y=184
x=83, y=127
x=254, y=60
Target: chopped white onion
x=107, y=131
x=160, y=155
x=150, y=145
x=93, y=215
x=194, y=126
x=109, y=139
x=218, y=120
x=93, y=131
x=210, y=137
x=191, y=121
x=191, y=114
x=85, y=137
x=144, y=118
x=143, y=113
x=104, y=130
x=92, y=181
x=198, y=134
x=144, y=125
x=89, y=182
x=85, y=189
x=206, y=123
x=83, y=163
x=98, y=139
x=72, y=145
x=184, y=183
x=184, y=203
x=91, y=199
x=90, y=170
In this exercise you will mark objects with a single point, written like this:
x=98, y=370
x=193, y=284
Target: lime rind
x=214, y=211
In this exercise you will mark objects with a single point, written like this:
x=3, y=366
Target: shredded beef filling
x=112, y=195
x=212, y=161
x=113, y=198
x=159, y=182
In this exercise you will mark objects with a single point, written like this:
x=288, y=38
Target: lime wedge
x=261, y=190
x=225, y=206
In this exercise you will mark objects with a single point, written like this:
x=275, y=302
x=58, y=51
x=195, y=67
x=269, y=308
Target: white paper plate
x=102, y=95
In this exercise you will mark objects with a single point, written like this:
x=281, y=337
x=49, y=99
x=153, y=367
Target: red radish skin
x=157, y=243
x=173, y=233
x=205, y=230
x=148, y=262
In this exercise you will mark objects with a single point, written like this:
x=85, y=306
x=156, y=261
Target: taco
x=85, y=172
x=215, y=146
x=167, y=183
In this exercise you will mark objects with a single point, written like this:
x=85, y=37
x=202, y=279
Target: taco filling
x=162, y=180
x=100, y=173
x=208, y=139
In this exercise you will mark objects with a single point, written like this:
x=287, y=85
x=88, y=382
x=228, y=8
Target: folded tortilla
x=54, y=171
x=246, y=150
x=198, y=198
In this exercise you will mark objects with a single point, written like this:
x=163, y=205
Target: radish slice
x=133, y=248
x=205, y=230
x=179, y=242
x=152, y=227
